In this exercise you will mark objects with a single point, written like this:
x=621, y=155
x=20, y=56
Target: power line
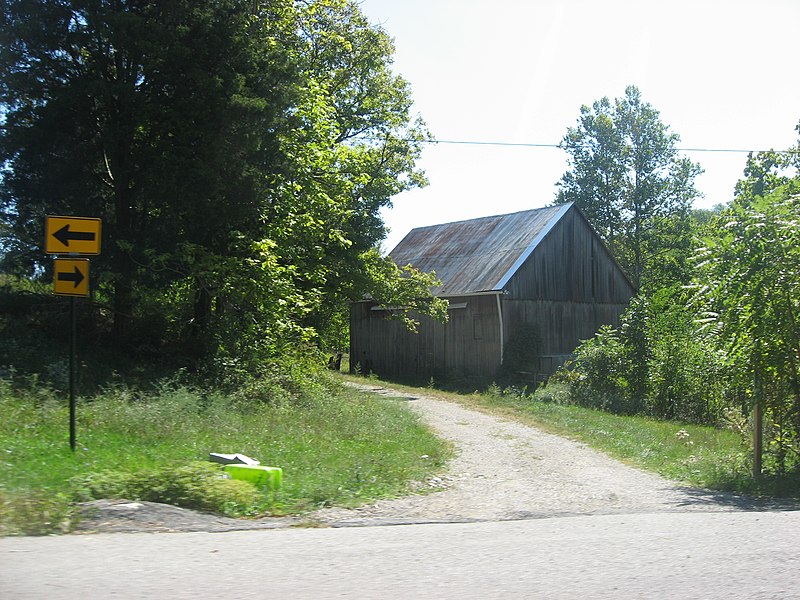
x=535, y=145
x=558, y=146
x=479, y=143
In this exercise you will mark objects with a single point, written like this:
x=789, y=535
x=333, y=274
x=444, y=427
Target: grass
x=693, y=454
x=340, y=447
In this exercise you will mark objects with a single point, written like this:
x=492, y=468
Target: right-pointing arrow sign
x=76, y=277
x=72, y=235
x=71, y=276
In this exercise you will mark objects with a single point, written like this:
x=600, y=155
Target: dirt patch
x=126, y=516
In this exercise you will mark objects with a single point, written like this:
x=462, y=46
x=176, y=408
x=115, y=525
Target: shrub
x=198, y=485
x=34, y=512
x=603, y=366
x=685, y=380
x=677, y=373
x=554, y=392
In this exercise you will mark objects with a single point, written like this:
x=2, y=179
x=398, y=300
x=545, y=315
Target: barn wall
x=571, y=264
x=567, y=289
x=468, y=345
x=561, y=326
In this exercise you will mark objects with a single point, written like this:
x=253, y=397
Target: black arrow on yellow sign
x=65, y=236
x=72, y=235
x=76, y=277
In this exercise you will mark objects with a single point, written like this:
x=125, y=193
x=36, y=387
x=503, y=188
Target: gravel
x=505, y=470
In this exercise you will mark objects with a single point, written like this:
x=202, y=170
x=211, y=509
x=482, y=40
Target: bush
x=676, y=372
x=602, y=366
x=656, y=364
x=198, y=485
x=554, y=392
x=34, y=512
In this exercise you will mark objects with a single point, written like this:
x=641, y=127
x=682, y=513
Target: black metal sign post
x=72, y=347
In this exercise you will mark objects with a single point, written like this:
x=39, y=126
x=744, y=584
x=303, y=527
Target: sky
x=722, y=74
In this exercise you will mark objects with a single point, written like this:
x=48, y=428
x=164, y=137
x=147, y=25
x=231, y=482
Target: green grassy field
x=341, y=448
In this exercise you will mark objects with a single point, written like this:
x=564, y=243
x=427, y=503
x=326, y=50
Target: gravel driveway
x=505, y=470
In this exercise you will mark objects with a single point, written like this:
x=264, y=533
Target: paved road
x=656, y=555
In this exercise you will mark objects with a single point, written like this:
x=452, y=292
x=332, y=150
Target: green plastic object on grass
x=258, y=475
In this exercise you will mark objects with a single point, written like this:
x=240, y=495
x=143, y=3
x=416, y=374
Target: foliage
x=625, y=173
x=553, y=392
x=672, y=371
x=335, y=447
x=686, y=378
x=748, y=287
x=196, y=485
x=238, y=153
x=405, y=289
x=602, y=365
x=655, y=364
x=729, y=341
x=767, y=171
x=34, y=512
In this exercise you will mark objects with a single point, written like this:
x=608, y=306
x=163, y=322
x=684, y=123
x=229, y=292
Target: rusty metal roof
x=479, y=255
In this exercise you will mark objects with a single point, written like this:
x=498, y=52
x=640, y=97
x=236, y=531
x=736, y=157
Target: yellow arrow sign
x=71, y=277
x=72, y=235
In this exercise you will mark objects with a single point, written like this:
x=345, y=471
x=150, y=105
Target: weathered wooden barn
x=536, y=281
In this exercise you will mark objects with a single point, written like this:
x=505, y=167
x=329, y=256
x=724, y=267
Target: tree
x=625, y=173
x=748, y=286
x=356, y=144
x=135, y=112
x=767, y=171
x=238, y=153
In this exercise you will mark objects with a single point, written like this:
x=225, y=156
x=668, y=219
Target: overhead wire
x=540, y=145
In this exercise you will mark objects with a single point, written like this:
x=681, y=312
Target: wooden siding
x=468, y=345
x=571, y=264
x=561, y=326
x=567, y=289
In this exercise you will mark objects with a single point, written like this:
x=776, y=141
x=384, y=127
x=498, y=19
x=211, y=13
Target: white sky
x=722, y=73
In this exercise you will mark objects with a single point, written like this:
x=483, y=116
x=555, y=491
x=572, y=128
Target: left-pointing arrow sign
x=72, y=235
x=71, y=276
x=65, y=236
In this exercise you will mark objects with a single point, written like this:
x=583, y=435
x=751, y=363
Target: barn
x=524, y=289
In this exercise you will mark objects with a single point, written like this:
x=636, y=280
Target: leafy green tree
x=238, y=153
x=767, y=171
x=134, y=112
x=355, y=143
x=627, y=176
x=748, y=287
